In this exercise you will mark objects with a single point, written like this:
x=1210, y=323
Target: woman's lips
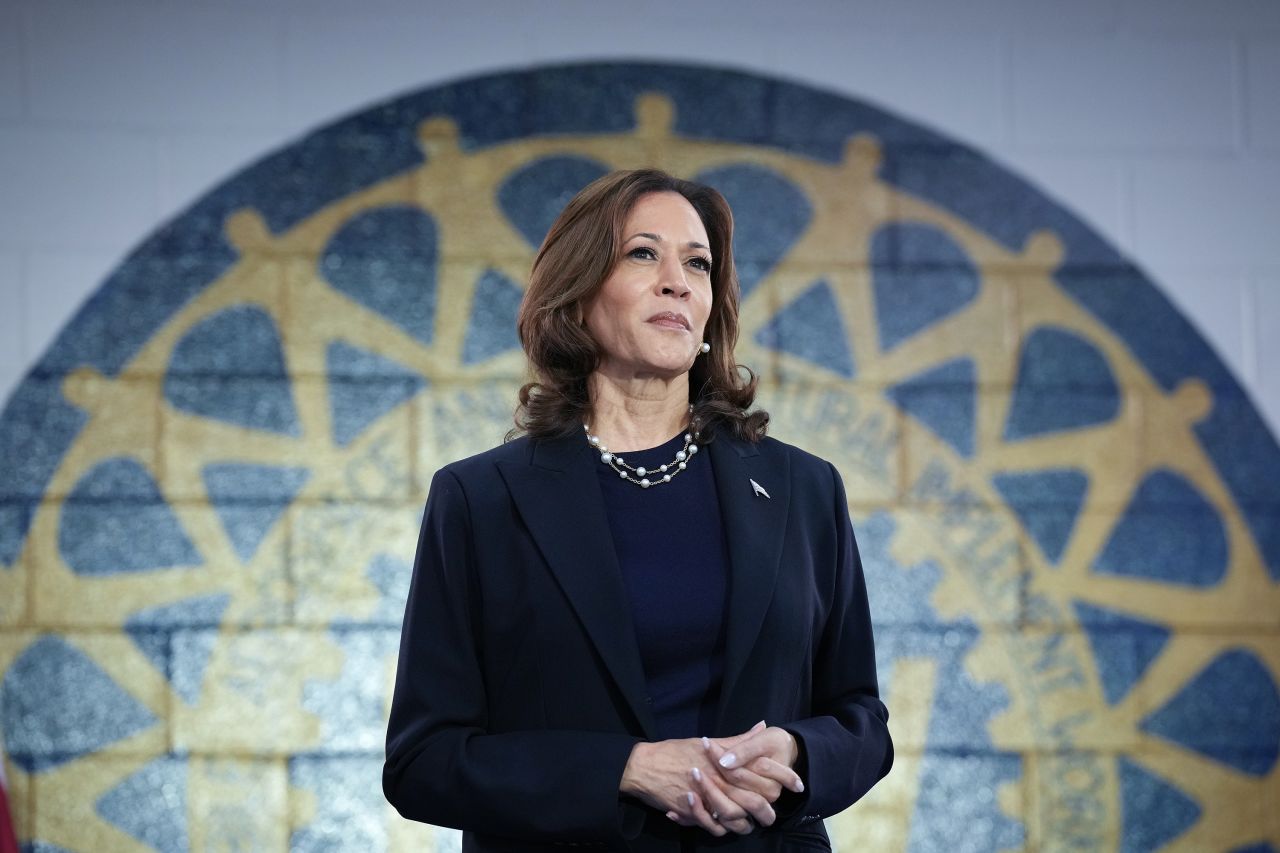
x=669, y=320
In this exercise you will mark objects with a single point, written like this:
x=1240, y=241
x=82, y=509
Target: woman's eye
x=701, y=263
x=642, y=252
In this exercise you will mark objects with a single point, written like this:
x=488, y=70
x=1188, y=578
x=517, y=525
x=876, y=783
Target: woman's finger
x=758, y=807
x=748, y=779
x=766, y=786
x=701, y=816
x=724, y=809
x=775, y=771
x=773, y=742
x=733, y=807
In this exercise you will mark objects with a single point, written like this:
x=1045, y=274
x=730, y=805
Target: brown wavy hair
x=578, y=254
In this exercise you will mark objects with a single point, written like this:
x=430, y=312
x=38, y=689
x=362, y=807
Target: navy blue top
x=674, y=559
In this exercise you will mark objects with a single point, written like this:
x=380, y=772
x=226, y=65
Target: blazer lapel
x=558, y=496
x=754, y=526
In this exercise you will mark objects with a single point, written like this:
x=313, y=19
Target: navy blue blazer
x=520, y=690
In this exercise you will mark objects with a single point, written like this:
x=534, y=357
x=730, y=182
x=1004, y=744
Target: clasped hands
x=720, y=784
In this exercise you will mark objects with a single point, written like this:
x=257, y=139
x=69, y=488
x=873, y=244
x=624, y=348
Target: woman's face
x=649, y=314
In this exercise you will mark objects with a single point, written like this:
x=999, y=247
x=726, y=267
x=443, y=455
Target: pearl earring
x=706, y=347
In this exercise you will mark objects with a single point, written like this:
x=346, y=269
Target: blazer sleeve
x=845, y=747
x=443, y=766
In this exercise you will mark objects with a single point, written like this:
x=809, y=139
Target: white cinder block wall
x=1158, y=121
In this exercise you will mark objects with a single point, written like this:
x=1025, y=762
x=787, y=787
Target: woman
x=641, y=625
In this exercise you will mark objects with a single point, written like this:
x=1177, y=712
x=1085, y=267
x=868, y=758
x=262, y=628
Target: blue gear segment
x=1230, y=712
x=230, y=367
x=387, y=260
x=364, y=386
x=533, y=196
x=1063, y=383
x=192, y=648
x=151, y=804
x=1123, y=647
x=249, y=499
x=115, y=520
x=153, y=628
x=492, y=328
x=1047, y=503
x=944, y=399
x=769, y=215
x=59, y=705
x=1152, y=811
x=1169, y=532
x=811, y=328
x=920, y=276
x=248, y=525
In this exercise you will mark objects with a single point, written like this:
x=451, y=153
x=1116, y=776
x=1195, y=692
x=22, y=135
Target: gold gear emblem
x=279, y=642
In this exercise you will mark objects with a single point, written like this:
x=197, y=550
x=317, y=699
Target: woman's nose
x=671, y=279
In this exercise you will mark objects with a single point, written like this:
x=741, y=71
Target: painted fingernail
x=671, y=815
x=706, y=744
x=688, y=795
x=728, y=759
x=761, y=723
x=697, y=774
x=799, y=787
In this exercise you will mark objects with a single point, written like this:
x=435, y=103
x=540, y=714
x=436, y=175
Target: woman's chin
x=671, y=367
x=664, y=364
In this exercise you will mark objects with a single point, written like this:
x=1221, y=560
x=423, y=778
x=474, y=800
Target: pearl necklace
x=640, y=476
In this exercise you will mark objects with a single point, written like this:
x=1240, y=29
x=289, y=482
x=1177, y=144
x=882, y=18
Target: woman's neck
x=638, y=413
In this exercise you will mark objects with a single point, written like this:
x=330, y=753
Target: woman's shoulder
x=806, y=468
x=484, y=464
x=798, y=455
x=476, y=480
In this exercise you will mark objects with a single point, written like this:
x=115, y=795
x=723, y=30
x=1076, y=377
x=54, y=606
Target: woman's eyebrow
x=657, y=238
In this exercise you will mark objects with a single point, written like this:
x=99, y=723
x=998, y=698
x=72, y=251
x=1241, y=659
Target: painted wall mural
x=1068, y=509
